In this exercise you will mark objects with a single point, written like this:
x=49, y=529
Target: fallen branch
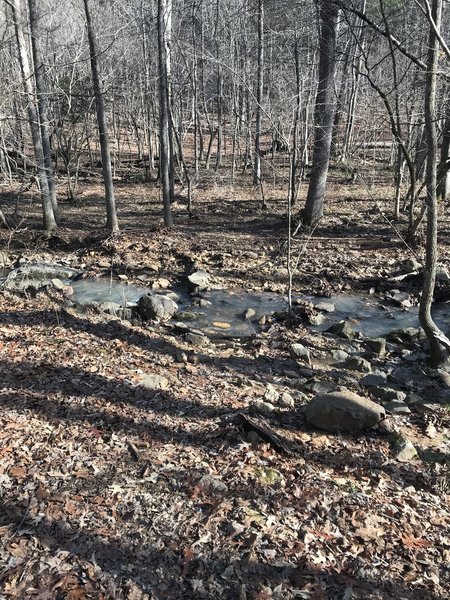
x=265, y=432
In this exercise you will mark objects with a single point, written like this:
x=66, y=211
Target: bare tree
x=112, y=223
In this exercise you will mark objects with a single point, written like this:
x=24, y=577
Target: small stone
x=286, y=400
x=376, y=345
x=373, y=379
x=340, y=355
x=154, y=382
x=163, y=283
x=410, y=264
x=249, y=314
x=397, y=407
x=264, y=408
x=405, y=450
x=181, y=356
x=342, y=329
x=199, y=279
x=122, y=277
x=387, y=394
x=204, y=303
x=211, y=484
x=317, y=319
x=327, y=307
x=271, y=394
x=357, y=363
x=322, y=387
x=196, y=339
x=300, y=351
x=58, y=284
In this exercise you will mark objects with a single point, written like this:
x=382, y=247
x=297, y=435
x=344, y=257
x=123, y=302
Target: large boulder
x=33, y=277
x=156, y=307
x=343, y=411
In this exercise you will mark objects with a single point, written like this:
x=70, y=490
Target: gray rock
x=321, y=387
x=196, y=339
x=376, y=346
x=343, y=411
x=396, y=407
x=186, y=315
x=271, y=394
x=200, y=279
x=405, y=450
x=204, y=303
x=156, y=307
x=373, y=379
x=249, y=314
x=213, y=485
x=342, y=329
x=317, y=319
x=387, y=394
x=154, y=382
x=402, y=299
x=358, y=363
x=264, y=408
x=300, y=351
x=111, y=308
x=286, y=400
x=340, y=355
x=325, y=307
x=407, y=334
x=36, y=276
x=410, y=264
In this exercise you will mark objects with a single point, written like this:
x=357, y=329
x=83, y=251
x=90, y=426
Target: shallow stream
x=223, y=313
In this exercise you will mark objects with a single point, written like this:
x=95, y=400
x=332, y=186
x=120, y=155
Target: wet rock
x=213, y=485
x=343, y=411
x=58, y=284
x=36, y=276
x=299, y=351
x=405, y=450
x=186, y=315
x=286, y=400
x=317, y=319
x=154, y=382
x=110, y=308
x=376, y=345
x=358, y=363
x=156, y=307
x=406, y=335
x=271, y=394
x=249, y=314
x=342, y=329
x=203, y=303
x=327, y=307
x=199, y=279
x=402, y=299
x=386, y=394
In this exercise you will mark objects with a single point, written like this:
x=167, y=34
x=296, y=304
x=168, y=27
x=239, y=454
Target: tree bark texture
x=165, y=149
x=323, y=113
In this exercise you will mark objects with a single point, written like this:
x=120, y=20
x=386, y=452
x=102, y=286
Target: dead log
x=265, y=432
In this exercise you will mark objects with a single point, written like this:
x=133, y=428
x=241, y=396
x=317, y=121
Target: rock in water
x=156, y=307
x=342, y=329
x=343, y=411
x=33, y=277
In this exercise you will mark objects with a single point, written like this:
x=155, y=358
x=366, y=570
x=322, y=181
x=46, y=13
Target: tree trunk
x=41, y=99
x=112, y=223
x=259, y=94
x=49, y=221
x=323, y=113
x=165, y=145
x=443, y=172
x=439, y=345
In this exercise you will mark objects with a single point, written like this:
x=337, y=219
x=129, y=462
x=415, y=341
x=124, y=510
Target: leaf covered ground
x=109, y=489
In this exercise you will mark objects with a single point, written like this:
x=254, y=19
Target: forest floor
x=111, y=489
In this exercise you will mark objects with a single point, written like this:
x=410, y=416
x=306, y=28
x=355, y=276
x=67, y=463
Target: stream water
x=223, y=313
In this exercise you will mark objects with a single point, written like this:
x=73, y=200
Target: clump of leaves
x=267, y=475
